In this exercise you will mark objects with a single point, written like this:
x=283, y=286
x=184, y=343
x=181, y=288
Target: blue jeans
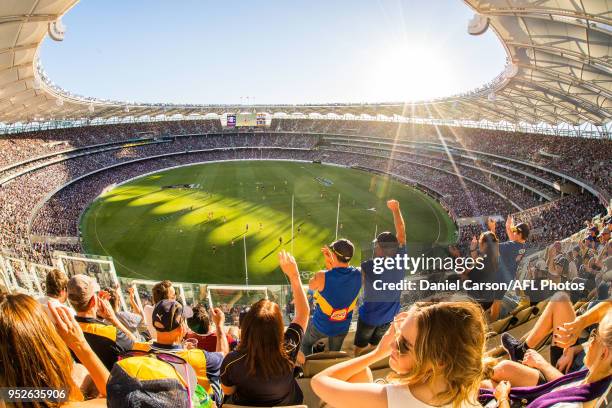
x=312, y=336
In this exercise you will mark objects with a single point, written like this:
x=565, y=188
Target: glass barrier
x=572, y=260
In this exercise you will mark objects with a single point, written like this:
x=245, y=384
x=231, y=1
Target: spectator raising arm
x=106, y=312
x=135, y=308
x=219, y=319
x=398, y=221
x=290, y=268
x=69, y=330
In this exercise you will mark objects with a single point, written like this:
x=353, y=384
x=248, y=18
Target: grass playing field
x=198, y=234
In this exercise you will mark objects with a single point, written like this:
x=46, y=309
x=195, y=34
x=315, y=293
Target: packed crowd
x=524, y=198
x=27, y=146
x=465, y=198
x=593, y=165
x=425, y=165
x=20, y=197
x=78, y=339
x=518, y=173
x=60, y=215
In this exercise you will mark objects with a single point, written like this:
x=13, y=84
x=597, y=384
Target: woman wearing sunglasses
x=581, y=389
x=435, y=351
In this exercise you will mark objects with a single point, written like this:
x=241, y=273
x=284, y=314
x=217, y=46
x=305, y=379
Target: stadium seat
x=501, y=325
x=523, y=316
x=315, y=363
x=541, y=306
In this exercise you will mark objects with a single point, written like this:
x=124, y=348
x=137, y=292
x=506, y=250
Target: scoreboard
x=246, y=120
x=231, y=120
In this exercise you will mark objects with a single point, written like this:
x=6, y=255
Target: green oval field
x=189, y=224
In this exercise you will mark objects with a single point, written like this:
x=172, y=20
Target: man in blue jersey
x=335, y=294
x=380, y=306
x=511, y=253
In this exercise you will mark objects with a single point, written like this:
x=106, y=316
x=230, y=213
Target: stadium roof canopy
x=559, y=71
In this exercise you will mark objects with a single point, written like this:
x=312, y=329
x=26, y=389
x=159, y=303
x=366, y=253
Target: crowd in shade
x=593, y=164
x=161, y=351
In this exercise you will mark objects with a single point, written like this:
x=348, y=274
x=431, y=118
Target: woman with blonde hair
x=34, y=353
x=436, y=354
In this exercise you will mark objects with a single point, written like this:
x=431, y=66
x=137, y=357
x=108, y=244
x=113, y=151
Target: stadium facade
x=548, y=86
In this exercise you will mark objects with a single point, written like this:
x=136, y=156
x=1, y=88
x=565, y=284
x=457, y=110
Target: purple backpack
x=542, y=396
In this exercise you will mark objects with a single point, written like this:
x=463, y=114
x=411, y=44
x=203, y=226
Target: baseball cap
x=343, y=248
x=386, y=237
x=169, y=314
x=523, y=229
x=604, y=231
x=386, y=241
x=81, y=288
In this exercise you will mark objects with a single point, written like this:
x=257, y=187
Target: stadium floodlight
x=510, y=71
x=57, y=30
x=478, y=24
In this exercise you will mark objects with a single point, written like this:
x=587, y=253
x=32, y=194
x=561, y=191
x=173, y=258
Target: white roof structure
x=559, y=70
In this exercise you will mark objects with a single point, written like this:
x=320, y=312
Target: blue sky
x=274, y=51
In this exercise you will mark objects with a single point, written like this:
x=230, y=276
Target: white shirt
x=43, y=300
x=148, y=315
x=399, y=396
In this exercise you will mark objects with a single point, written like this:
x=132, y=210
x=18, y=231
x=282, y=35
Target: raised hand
x=105, y=310
x=218, y=317
x=327, y=254
x=502, y=391
x=567, y=334
x=66, y=326
x=474, y=243
x=566, y=360
x=533, y=359
x=288, y=265
x=393, y=205
x=491, y=224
